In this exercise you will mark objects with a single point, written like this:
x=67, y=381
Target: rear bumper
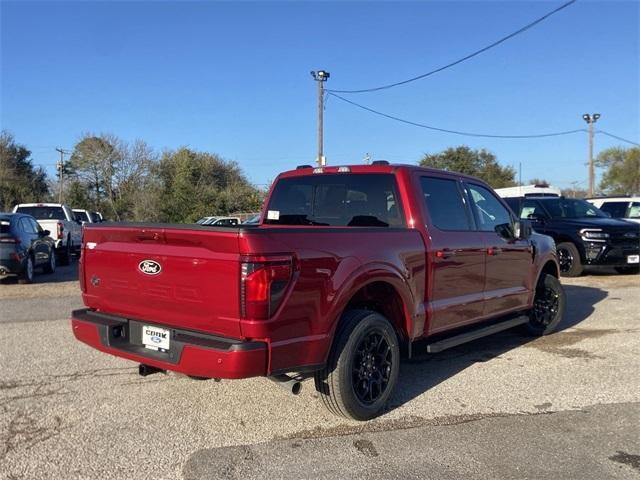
x=10, y=266
x=190, y=353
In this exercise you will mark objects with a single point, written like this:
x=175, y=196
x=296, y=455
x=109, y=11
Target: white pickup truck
x=60, y=220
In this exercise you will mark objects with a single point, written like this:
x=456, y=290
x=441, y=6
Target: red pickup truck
x=349, y=268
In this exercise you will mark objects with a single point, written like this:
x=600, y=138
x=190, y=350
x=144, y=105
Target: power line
x=463, y=59
x=618, y=138
x=457, y=132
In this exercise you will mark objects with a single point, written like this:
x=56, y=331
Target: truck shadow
x=425, y=371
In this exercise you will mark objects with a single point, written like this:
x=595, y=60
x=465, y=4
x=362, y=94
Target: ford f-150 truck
x=349, y=268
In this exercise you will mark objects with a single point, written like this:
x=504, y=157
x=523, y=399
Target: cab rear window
x=345, y=200
x=43, y=213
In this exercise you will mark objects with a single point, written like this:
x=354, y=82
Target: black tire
x=569, y=259
x=368, y=338
x=50, y=266
x=65, y=254
x=27, y=271
x=549, y=305
x=633, y=270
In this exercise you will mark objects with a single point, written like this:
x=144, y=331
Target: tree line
x=130, y=181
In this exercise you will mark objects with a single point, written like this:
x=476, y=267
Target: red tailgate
x=177, y=276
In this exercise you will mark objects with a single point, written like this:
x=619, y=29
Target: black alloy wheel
x=569, y=260
x=372, y=366
x=548, y=306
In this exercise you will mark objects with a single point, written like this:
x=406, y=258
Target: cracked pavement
x=507, y=406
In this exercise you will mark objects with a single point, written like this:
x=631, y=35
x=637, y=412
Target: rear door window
x=634, y=210
x=26, y=226
x=615, y=209
x=445, y=204
x=346, y=200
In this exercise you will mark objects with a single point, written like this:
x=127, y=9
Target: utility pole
x=591, y=119
x=320, y=76
x=60, y=166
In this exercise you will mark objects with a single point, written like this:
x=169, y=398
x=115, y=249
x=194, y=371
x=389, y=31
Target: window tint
x=352, y=200
x=489, y=211
x=615, y=209
x=634, y=210
x=43, y=213
x=445, y=204
x=82, y=216
x=570, y=208
x=531, y=207
x=95, y=218
x=514, y=204
x=26, y=226
x=35, y=226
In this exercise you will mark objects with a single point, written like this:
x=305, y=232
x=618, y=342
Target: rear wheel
x=27, y=271
x=569, y=259
x=65, y=254
x=628, y=270
x=363, y=366
x=548, y=306
x=50, y=266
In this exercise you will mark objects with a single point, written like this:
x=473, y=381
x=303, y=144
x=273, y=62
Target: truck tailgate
x=182, y=276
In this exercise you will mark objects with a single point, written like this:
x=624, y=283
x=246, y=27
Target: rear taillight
x=263, y=283
x=10, y=240
x=60, y=230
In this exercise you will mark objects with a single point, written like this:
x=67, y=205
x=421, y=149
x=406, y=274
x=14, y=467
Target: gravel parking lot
x=562, y=406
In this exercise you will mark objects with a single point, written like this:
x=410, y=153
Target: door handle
x=493, y=251
x=445, y=253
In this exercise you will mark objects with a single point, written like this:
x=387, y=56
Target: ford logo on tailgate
x=149, y=267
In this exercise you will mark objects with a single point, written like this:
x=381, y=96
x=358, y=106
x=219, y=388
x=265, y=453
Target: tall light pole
x=591, y=119
x=320, y=76
x=60, y=166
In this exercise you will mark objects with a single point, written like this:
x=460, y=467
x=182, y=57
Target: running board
x=456, y=340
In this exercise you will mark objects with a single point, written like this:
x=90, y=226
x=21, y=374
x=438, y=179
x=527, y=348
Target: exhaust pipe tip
x=291, y=385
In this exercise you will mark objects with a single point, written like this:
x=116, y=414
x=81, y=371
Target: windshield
x=571, y=208
x=44, y=213
x=352, y=200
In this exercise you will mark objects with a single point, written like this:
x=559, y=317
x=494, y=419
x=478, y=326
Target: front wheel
x=363, y=366
x=548, y=306
x=65, y=254
x=27, y=271
x=569, y=259
x=50, y=266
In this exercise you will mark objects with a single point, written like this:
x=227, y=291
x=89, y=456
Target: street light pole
x=591, y=119
x=320, y=76
x=61, y=170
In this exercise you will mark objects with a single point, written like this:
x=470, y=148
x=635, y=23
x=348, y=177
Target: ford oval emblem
x=149, y=267
x=156, y=339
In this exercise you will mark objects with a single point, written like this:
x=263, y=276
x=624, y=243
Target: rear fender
x=367, y=275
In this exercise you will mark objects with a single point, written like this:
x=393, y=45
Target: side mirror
x=536, y=217
x=607, y=214
x=45, y=233
x=521, y=229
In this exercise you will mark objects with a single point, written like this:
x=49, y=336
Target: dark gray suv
x=24, y=246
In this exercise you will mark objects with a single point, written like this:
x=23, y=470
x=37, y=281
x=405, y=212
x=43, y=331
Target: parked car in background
x=24, y=246
x=349, y=266
x=86, y=216
x=626, y=208
x=60, y=220
x=537, y=190
x=252, y=220
x=584, y=235
x=219, y=221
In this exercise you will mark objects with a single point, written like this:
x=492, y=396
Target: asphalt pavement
x=563, y=406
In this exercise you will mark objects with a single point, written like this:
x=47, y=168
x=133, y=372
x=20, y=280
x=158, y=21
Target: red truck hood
x=175, y=276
